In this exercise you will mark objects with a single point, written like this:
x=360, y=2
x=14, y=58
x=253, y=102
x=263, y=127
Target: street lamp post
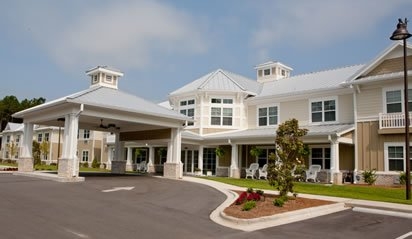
x=401, y=33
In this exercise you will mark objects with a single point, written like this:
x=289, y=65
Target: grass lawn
x=54, y=168
x=365, y=192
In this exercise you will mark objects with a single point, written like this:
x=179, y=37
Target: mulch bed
x=265, y=207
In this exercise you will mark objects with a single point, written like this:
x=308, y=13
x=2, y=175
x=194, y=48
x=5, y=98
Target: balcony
x=393, y=120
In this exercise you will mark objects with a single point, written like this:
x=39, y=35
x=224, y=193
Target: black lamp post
x=401, y=33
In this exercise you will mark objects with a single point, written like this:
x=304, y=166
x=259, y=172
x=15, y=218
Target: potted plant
x=198, y=171
x=220, y=152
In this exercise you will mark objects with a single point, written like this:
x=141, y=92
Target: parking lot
x=106, y=206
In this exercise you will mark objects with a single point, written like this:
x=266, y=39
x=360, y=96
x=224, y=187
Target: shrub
x=249, y=205
x=95, y=163
x=260, y=192
x=53, y=164
x=241, y=199
x=278, y=202
x=402, y=178
x=249, y=190
x=253, y=197
x=369, y=176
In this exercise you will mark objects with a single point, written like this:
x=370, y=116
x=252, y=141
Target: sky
x=46, y=46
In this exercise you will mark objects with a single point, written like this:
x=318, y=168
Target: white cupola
x=272, y=70
x=104, y=76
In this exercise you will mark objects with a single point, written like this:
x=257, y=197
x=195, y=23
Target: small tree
x=289, y=152
x=12, y=148
x=36, y=153
x=44, y=148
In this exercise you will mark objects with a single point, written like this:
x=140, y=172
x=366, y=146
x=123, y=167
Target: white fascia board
x=100, y=69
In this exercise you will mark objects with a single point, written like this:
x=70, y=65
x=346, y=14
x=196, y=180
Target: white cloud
x=315, y=23
x=124, y=34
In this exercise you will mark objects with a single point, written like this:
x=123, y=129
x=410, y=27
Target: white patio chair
x=263, y=172
x=142, y=167
x=312, y=173
x=251, y=171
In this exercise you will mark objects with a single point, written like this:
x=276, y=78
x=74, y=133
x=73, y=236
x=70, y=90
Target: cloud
x=124, y=34
x=317, y=22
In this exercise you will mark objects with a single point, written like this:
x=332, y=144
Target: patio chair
x=312, y=173
x=142, y=167
x=263, y=172
x=251, y=171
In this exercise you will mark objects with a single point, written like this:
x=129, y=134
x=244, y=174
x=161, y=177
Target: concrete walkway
x=218, y=216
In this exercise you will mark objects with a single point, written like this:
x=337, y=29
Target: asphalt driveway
x=153, y=208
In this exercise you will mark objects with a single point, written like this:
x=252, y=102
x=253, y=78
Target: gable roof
x=316, y=81
x=110, y=98
x=385, y=54
x=221, y=80
x=13, y=127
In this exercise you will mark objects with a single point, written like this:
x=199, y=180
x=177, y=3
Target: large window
x=321, y=156
x=46, y=137
x=187, y=107
x=263, y=158
x=323, y=111
x=268, y=116
x=221, y=112
x=39, y=138
x=86, y=134
x=394, y=157
x=209, y=160
x=85, y=156
x=394, y=101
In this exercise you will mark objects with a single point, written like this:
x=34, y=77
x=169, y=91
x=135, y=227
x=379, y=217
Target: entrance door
x=190, y=159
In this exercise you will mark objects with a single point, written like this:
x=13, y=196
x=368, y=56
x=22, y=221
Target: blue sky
x=46, y=46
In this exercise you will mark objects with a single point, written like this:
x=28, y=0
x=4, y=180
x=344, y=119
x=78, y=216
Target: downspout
x=76, y=164
x=355, y=117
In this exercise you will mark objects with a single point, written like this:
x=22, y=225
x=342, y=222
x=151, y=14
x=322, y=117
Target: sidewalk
x=218, y=216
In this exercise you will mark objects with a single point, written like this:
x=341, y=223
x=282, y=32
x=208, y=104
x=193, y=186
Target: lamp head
x=401, y=31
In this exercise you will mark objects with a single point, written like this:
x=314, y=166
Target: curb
x=48, y=176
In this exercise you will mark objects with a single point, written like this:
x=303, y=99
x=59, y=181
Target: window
x=321, y=156
x=394, y=101
x=85, y=156
x=86, y=134
x=187, y=107
x=46, y=137
x=109, y=78
x=266, y=72
x=268, y=116
x=221, y=114
x=39, y=138
x=323, y=111
x=394, y=157
x=283, y=72
x=209, y=160
x=95, y=79
x=8, y=139
x=263, y=158
x=18, y=139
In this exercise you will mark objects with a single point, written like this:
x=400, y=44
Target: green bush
x=249, y=190
x=369, y=176
x=260, y=192
x=402, y=178
x=95, y=163
x=249, y=205
x=280, y=201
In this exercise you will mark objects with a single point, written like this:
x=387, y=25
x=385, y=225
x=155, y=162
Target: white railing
x=392, y=120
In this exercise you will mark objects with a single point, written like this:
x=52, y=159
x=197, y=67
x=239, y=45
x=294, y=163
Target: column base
x=129, y=167
x=118, y=167
x=337, y=178
x=151, y=168
x=68, y=168
x=235, y=173
x=25, y=165
x=173, y=170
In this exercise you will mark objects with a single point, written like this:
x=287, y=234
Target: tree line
x=10, y=105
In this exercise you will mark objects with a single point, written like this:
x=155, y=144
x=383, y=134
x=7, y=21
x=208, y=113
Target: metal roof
x=110, y=98
x=221, y=80
x=313, y=130
x=322, y=80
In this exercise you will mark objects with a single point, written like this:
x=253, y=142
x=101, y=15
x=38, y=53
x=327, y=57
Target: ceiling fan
x=106, y=126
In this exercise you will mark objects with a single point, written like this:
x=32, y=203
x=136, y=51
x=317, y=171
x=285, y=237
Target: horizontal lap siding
x=345, y=108
x=369, y=102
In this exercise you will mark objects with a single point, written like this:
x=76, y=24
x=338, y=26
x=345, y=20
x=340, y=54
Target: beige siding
x=369, y=102
x=225, y=160
x=345, y=108
x=391, y=65
x=294, y=109
x=371, y=145
x=252, y=117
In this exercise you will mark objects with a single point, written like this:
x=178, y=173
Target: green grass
x=382, y=194
x=54, y=168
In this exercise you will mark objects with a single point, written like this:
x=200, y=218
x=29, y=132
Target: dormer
x=104, y=76
x=272, y=70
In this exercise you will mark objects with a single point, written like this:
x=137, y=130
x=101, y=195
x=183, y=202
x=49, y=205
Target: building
x=90, y=143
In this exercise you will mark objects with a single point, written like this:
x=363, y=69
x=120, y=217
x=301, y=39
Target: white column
x=200, y=160
x=68, y=162
x=119, y=162
x=234, y=164
x=129, y=160
x=173, y=166
x=336, y=176
x=177, y=145
x=150, y=164
x=27, y=143
x=25, y=163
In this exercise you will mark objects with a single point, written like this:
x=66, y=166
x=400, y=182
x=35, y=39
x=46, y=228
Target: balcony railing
x=393, y=120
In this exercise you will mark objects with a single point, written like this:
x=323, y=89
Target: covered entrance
x=103, y=107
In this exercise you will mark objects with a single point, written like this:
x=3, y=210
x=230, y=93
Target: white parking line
x=405, y=235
